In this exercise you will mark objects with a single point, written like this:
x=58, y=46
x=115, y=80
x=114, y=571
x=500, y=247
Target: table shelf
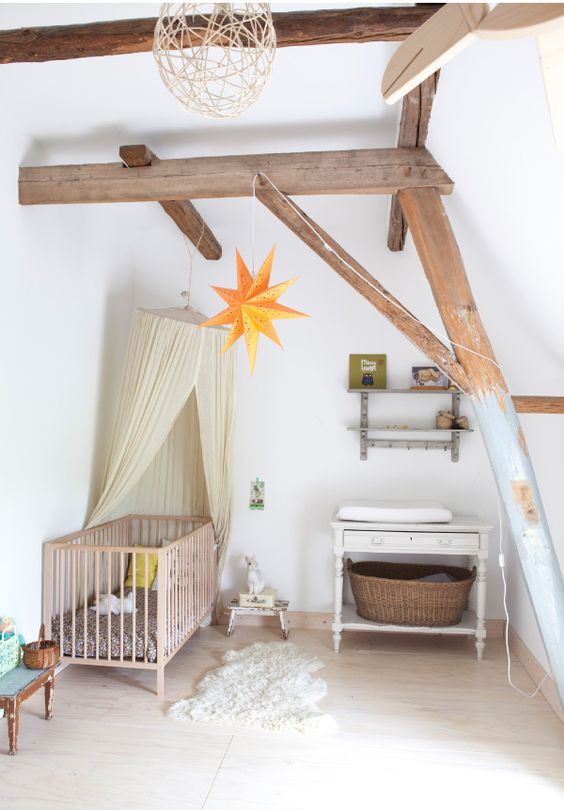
x=352, y=621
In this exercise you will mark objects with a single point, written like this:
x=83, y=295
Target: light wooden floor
x=422, y=724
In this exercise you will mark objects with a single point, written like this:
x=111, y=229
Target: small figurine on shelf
x=255, y=579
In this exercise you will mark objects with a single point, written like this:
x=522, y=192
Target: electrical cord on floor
x=506, y=634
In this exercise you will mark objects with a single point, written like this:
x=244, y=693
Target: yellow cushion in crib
x=152, y=563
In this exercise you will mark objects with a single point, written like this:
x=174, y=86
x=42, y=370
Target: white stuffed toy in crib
x=255, y=579
x=110, y=603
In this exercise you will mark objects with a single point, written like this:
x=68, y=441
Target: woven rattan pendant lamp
x=215, y=58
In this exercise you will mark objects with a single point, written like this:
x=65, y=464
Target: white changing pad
x=394, y=512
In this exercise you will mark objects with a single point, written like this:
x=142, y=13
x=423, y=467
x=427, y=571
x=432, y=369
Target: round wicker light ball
x=215, y=58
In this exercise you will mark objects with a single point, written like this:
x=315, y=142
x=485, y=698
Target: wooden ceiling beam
x=182, y=212
x=360, y=279
x=414, y=125
x=293, y=28
x=495, y=413
x=532, y=404
x=361, y=171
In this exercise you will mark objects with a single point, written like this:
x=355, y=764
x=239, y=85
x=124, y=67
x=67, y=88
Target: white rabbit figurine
x=255, y=579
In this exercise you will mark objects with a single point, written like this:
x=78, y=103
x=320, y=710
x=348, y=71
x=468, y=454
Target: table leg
x=284, y=623
x=337, y=626
x=481, y=609
x=49, y=695
x=13, y=711
x=231, y=625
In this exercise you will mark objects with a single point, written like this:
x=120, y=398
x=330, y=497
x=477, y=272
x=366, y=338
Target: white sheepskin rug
x=266, y=685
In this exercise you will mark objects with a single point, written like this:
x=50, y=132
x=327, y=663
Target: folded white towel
x=110, y=603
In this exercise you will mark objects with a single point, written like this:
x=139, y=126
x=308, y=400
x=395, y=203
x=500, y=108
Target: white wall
x=69, y=274
x=64, y=315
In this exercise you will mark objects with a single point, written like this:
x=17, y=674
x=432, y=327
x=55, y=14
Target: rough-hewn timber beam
x=495, y=413
x=414, y=125
x=322, y=27
x=531, y=404
x=331, y=252
x=361, y=171
x=182, y=212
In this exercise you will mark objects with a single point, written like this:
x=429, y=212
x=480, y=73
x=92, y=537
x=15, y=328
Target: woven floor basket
x=41, y=654
x=393, y=593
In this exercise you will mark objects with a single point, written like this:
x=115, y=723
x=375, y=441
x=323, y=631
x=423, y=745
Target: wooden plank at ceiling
x=414, y=125
x=532, y=404
x=293, y=28
x=182, y=212
x=360, y=279
x=361, y=171
x=496, y=415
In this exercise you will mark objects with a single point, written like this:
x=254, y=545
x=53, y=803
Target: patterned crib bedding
x=115, y=632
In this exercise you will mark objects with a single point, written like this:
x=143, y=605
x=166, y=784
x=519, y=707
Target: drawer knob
x=445, y=541
x=376, y=541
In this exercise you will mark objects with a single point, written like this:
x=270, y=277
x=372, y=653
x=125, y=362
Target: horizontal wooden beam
x=362, y=171
x=360, y=279
x=321, y=27
x=182, y=212
x=538, y=404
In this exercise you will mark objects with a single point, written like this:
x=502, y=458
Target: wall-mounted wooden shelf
x=366, y=441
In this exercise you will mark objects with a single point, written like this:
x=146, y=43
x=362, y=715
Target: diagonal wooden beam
x=360, y=171
x=495, y=413
x=360, y=279
x=182, y=212
x=414, y=125
x=320, y=27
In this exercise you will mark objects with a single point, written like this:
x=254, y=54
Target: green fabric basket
x=9, y=651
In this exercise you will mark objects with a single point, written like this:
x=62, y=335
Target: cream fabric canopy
x=171, y=446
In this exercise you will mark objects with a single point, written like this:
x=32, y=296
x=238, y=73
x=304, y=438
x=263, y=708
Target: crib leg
x=160, y=681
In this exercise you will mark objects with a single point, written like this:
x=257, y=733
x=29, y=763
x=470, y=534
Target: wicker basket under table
x=393, y=593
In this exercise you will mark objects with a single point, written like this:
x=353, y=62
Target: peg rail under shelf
x=452, y=443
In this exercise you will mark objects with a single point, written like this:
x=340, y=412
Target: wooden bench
x=17, y=685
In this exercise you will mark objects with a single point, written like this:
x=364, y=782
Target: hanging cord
x=186, y=294
x=506, y=634
x=191, y=253
x=355, y=271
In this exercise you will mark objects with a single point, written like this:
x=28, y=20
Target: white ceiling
x=315, y=93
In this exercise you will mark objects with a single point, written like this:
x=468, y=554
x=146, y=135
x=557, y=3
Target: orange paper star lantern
x=252, y=307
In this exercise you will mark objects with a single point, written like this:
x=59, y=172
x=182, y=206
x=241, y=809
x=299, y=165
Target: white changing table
x=466, y=536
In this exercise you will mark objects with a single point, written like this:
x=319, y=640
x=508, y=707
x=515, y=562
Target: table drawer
x=465, y=542
x=418, y=541
x=360, y=541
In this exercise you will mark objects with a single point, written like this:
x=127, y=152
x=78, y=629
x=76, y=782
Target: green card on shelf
x=367, y=371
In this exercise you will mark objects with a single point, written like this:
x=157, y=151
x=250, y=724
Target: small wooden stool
x=280, y=609
x=17, y=685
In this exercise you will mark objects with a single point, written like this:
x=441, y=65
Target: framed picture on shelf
x=367, y=371
x=429, y=377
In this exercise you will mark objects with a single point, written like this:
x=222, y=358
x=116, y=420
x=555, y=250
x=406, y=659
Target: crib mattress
x=394, y=512
x=115, y=632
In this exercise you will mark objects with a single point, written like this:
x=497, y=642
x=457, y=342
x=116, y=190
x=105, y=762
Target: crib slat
x=134, y=600
x=74, y=563
x=85, y=602
x=61, y=603
x=121, y=606
x=109, y=613
x=97, y=596
x=146, y=600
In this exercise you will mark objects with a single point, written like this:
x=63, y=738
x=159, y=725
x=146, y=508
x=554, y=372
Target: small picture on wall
x=367, y=371
x=256, y=501
x=429, y=377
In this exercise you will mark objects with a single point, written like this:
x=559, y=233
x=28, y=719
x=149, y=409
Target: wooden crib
x=81, y=568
